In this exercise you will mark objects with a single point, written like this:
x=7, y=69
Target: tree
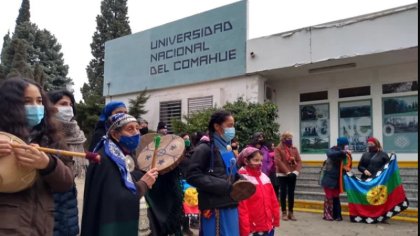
x=24, y=13
x=43, y=54
x=250, y=118
x=6, y=43
x=111, y=23
x=19, y=65
x=136, y=106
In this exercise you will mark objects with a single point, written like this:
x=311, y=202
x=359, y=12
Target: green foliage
x=136, y=106
x=249, y=119
x=24, y=13
x=110, y=24
x=19, y=65
x=87, y=115
x=42, y=54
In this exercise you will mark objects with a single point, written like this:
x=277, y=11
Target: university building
x=354, y=77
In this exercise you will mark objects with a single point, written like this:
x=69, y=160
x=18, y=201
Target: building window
x=355, y=123
x=199, y=104
x=170, y=111
x=400, y=124
x=316, y=96
x=314, y=128
x=400, y=87
x=354, y=92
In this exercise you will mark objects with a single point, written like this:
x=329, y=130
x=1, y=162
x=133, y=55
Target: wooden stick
x=88, y=155
x=61, y=152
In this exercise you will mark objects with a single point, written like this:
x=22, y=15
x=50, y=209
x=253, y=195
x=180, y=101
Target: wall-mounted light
x=332, y=68
x=252, y=54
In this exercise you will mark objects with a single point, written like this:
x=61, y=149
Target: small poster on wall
x=355, y=123
x=314, y=128
x=400, y=124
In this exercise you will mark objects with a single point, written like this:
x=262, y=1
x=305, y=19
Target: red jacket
x=261, y=212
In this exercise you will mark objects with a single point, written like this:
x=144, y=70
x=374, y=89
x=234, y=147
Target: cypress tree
x=111, y=23
x=19, y=65
x=43, y=53
x=24, y=13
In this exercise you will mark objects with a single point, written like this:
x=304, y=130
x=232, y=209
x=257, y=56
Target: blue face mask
x=229, y=134
x=130, y=142
x=34, y=114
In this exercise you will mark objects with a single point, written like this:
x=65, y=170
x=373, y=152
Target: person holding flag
x=338, y=160
x=373, y=160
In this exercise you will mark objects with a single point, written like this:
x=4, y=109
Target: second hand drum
x=169, y=155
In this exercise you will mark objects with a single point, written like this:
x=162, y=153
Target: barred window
x=199, y=104
x=169, y=111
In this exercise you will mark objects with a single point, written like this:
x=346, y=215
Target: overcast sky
x=73, y=21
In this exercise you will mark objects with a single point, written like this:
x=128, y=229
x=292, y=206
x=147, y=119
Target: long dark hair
x=13, y=118
x=56, y=95
x=217, y=118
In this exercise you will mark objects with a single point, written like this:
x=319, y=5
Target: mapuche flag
x=378, y=198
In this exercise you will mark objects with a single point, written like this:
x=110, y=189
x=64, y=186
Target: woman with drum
x=114, y=187
x=26, y=113
x=213, y=171
x=66, y=213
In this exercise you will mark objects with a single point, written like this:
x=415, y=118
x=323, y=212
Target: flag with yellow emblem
x=376, y=199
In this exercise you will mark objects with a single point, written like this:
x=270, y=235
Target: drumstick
x=91, y=156
x=157, y=143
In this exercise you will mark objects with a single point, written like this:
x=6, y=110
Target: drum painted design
x=169, y=154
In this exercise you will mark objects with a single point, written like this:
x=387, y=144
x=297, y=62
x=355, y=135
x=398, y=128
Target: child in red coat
x=259, y=214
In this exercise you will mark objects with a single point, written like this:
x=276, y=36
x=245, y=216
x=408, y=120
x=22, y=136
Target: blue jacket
x=66, y=221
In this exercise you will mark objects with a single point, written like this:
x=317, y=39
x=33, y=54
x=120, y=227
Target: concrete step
x=315, y=187
x=319, y=196
x=409, y=178
x=411, y=185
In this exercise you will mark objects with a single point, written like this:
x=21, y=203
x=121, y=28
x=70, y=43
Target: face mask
x=65, y=113
x=34, y=114
x=255, y=167
x=373, y=149
x=187, y=143
x=229, y=134
x=144, y=130
x=288, y=143
x=130, y=142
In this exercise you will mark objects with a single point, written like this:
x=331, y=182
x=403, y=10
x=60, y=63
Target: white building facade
x=354, y=77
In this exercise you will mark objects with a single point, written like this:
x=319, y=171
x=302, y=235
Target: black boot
x=186, y=226
x=337, y=209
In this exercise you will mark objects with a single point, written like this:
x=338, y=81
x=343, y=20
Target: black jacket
x=213, y=186
x=332, y=168
x=98, y=133
x=373, y=162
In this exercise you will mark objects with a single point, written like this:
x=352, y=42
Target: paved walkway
x=312, y=224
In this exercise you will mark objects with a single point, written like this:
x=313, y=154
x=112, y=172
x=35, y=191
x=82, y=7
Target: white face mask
x=65, y=113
